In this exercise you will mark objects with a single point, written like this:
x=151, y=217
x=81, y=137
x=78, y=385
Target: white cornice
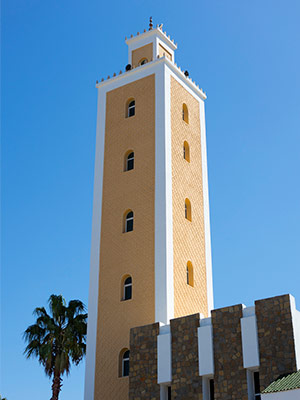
x=153, y=32
x=148, y=69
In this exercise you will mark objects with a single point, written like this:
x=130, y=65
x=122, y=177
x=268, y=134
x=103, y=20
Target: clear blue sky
x=245, y=55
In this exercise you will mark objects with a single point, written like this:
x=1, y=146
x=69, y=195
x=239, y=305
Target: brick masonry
x=143, y=363
x=186, y=382
x=275, y=338
x=230, y=376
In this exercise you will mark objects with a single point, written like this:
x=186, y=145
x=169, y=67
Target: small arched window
x=186, y=151
x=130, y=112
x=128, y=221
x=185, y=113
x=189, y=274
x=143, y=61
x=129, y=161
x=127, y=288
x=124, y=362
x=187, y=210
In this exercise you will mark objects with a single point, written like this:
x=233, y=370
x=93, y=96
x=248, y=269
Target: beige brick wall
x=163, y=52
x=142, y=52
x=189, y=244
x=125, y=253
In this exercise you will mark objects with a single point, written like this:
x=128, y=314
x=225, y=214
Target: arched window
x=124, y=362
x=129, y=160
x=128, y=221
x=186, y=151
x=187, y=209
x=185, y=113
x=130, y=109
x=143, y=61
x=189, y=274
x=127, y=288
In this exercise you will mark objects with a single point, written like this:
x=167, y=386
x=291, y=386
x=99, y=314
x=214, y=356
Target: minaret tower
x=151, y=254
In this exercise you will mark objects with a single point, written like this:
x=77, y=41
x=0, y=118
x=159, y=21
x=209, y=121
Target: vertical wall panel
x=186, y=382
x=230, y=376
x=275, y=338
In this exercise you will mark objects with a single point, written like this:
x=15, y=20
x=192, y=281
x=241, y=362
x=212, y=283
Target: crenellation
x=230, y=377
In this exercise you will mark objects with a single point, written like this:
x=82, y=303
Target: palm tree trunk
x=56, y=386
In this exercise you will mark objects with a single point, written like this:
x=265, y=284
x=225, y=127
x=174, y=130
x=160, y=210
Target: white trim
x=95, y=251
x=205, y=348
x=296, y=328
x=164, y=355
x=208, y=261
x=150, y=68
x=249, y=338
x=147, y=36
x=164, y=287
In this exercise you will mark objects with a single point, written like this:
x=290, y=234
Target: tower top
x=149, y=45
x=152, y=32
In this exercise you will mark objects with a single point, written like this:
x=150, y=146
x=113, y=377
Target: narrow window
x=169, y=393
x=129, y=222
x=185, y=113
x=129, y=161
x=187, y=210
x=127, y=288
x=125, y=363
x=131, y=108
x=211, y=389
x=257, y=395
x=190, y=274
x=186, y=151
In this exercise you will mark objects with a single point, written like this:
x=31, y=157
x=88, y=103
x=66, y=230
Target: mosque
x=153, y=332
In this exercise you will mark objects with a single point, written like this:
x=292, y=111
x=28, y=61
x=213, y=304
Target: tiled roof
x=289, y=382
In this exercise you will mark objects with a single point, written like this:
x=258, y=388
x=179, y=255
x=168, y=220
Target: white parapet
x=164, y=358
x=296, y=328
x=249, y=338
x=205, y=348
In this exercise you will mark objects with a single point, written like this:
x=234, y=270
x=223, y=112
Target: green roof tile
x=289, y=382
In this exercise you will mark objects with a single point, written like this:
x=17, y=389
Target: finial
x=150, y=24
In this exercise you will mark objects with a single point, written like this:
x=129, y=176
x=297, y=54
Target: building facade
x=151, y=255
x=233, y=355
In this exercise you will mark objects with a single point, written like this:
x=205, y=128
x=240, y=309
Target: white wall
x=249, y=338
x=205, y=347
x=286, y=395
x=164, y=360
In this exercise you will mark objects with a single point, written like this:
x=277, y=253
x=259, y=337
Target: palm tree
x=57, y=339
